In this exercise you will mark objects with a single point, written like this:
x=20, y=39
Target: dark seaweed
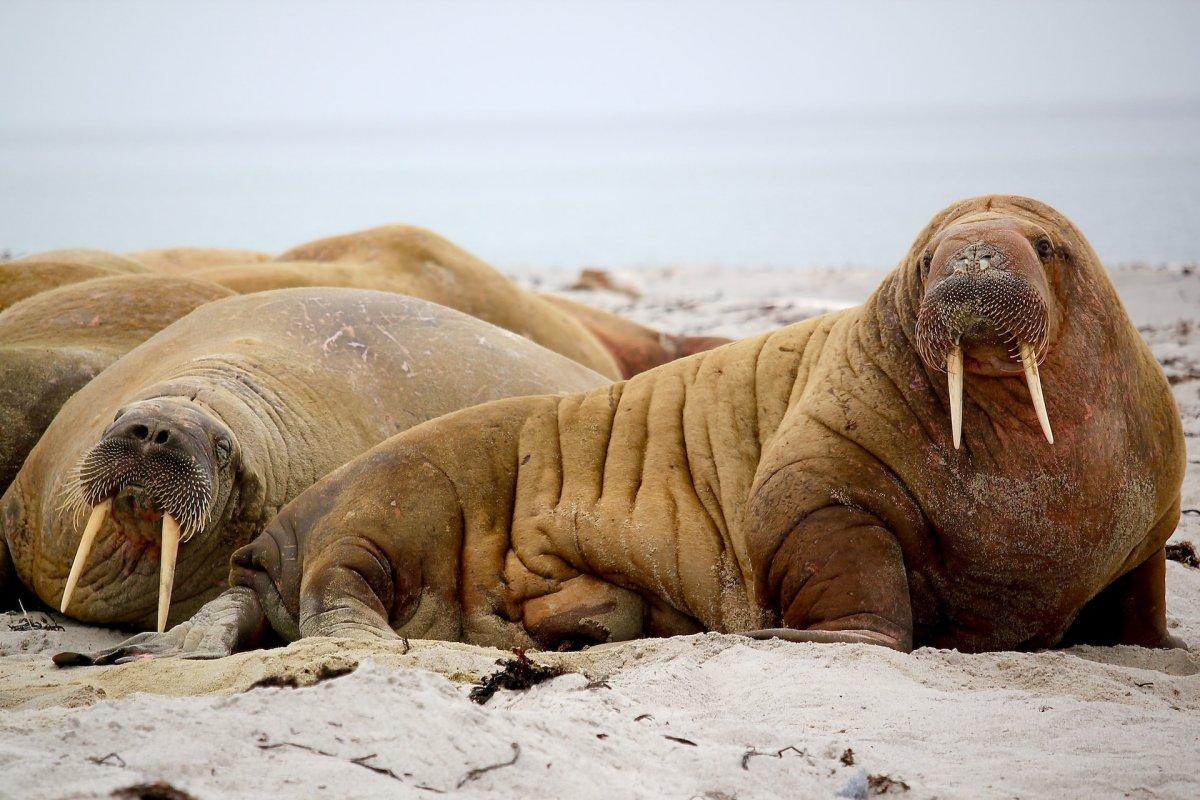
x=517, y=673
x=1184, y=553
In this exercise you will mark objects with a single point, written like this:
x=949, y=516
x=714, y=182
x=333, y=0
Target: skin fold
x=802, y=483
x=258, y=397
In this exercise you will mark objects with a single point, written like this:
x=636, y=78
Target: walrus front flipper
x=1130, y=610
x=232, y=621
x=839, y=576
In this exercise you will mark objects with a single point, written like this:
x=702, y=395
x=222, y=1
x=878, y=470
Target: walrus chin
x=159, y=464
x=987, y=308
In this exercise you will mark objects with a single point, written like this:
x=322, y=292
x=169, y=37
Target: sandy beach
x=710, y=716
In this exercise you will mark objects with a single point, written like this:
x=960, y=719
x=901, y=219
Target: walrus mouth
x=985, y=314
x=171, y=481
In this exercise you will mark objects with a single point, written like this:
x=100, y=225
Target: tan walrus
x=25, y=277
x=203, y=432
x=53, y=343
x=826, y=482
x=420, y=263
x=188, y=260
x=634, y=348
x=423, y=264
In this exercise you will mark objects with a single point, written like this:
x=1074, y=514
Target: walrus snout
x=987, y=309
x=159, y=456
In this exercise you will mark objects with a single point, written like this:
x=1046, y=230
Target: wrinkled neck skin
x=985, y=526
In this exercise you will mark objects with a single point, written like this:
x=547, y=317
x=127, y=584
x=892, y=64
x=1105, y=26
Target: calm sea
x=752, y=191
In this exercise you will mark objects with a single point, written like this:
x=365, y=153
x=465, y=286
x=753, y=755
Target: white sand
x=1085, y=722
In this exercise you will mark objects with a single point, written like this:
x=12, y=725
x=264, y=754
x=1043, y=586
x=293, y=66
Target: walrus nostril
x=161, y=437
x=140, y=432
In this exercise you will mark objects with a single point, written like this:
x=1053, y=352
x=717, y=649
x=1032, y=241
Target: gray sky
x=133, y=64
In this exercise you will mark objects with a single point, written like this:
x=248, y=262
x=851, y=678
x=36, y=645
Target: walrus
x=27, y=276
x=421, y=263
x=202, y=433
x=186, y=260
x=983, y=456
x=53, y=343
x=636, y=347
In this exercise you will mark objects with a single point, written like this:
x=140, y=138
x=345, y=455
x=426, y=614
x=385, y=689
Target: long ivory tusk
x=166, y=568
x=954, y=369
x=1033, y=378
x=94, y=523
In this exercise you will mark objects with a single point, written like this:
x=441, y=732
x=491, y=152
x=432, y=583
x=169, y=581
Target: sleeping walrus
x=203, y=432
x=633, y=348
x=882, y=474
x=420, y=263
x=25, y=277
x=188, y=260
x=53, y=343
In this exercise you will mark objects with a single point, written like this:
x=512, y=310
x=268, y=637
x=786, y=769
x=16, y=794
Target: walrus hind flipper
x=232, y=621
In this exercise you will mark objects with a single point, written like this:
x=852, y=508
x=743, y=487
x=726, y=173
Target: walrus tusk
x=166, y=568
x=954, y=368
x=1029, y=362
x=94, y=523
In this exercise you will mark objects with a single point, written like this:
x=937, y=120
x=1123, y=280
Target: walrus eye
x=1045, y=248
x=926, y=261
x=224, y=451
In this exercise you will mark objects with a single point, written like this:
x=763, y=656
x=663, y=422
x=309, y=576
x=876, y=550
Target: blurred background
x=565, y=133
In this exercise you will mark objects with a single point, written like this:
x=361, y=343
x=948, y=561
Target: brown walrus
x=53, y=343
x=187, y=260
x=209, y=427
x=636, y=347
x=30, y=275
x=826, y=482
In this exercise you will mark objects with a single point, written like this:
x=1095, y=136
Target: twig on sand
x=753, y=751
x=360, y=761
x=478, y=771
x=110, y=760
x=680, y=740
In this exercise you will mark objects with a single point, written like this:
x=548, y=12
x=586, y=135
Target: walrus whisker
x=954, y=370
x=166, y=568
x=1030, y=364
x=94, y=523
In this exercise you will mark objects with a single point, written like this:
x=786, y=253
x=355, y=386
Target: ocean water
x=728, y=191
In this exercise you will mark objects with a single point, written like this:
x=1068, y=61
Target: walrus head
x=165, y=468
x=987, y=306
